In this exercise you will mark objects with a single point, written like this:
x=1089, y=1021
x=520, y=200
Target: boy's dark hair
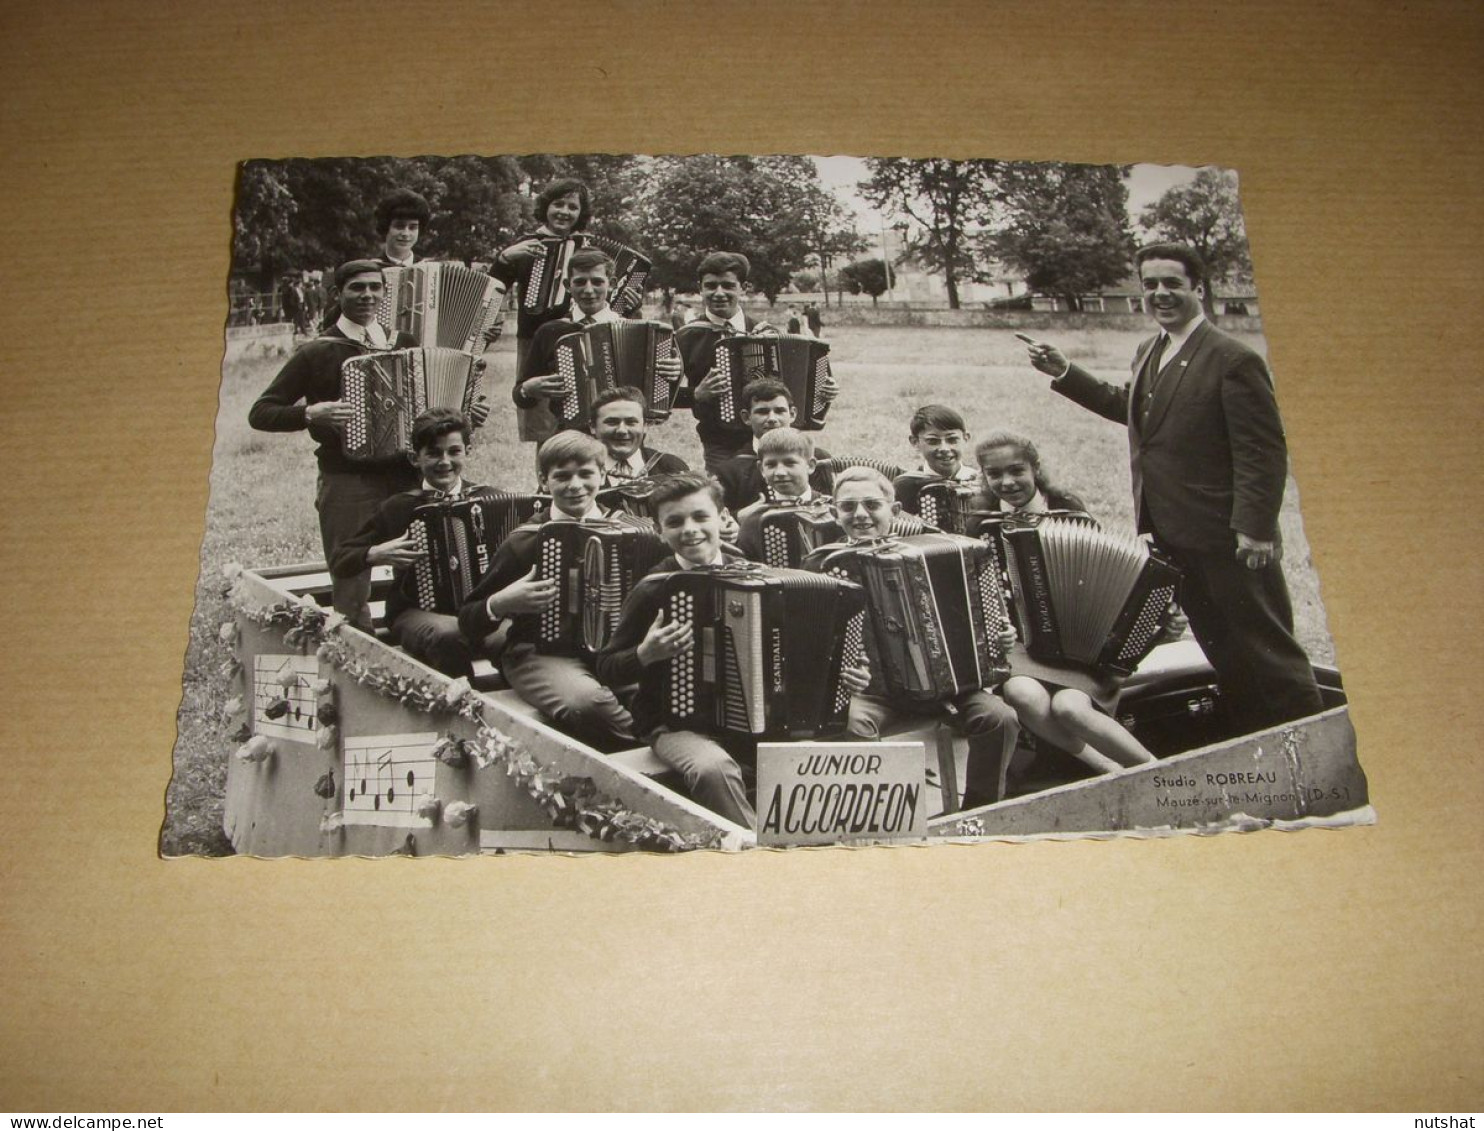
x=669, y=488
x=438, y=422
x=938, y=417
x=763, y=389
x=784, y=441
x=586, y=258
x=353, y=267
x=720, y=262
x=569, y=447
x=401, y=204
x=1184, y=254
x=562, y=187
x=1027, y=452
x=617, y=393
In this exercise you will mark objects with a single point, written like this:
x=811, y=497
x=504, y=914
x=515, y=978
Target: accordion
x=770, y=649
x=1086, y=596
x=443, y=305
x=546, y=286
x=387, y=391
x=937, y=611
x=595, y=565
x=790, y=531
x=597, y=358
x=458, y=539
x=631, y=496
x=803, y=364
x=951, y=506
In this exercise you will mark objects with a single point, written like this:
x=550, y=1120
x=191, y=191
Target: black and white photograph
x=609, y=503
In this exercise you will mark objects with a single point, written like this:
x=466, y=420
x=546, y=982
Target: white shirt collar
x=358, y=333
x=718, y=560
x=964, y=474
x=594, y=513
x=603, y=316
x=1035, y=505
x=395, y=262
x=737, y=321
x=453, y=492
x=1179, y=337
x=634, y=462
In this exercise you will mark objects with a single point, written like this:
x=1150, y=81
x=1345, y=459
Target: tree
x=1063, y=226
x=262, y=222
x=946, y=200
x=872, y=276
x=765, y=207
x=1206, y=215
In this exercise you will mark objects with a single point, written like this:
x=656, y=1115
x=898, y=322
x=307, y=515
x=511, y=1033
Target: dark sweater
x=312, y=375
x=516, y=277
x=390, y=521
x=618, y=664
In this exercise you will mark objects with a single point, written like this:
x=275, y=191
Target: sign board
x=840, y=792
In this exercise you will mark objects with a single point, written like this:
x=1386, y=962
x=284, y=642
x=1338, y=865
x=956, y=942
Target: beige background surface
x=1320, y=969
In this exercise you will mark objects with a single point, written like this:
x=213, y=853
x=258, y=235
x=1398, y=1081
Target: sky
x=1145, y=185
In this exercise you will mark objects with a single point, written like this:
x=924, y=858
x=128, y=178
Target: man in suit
x=617, y=418
x=1209, y=464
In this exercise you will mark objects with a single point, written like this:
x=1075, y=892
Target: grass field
x=262, y=486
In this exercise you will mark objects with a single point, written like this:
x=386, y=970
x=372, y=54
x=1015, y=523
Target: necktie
x=1151, y=377
x=588, y=320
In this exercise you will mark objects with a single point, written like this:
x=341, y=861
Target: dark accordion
x=770, y=649
x=600, y=357
x=387, y=391
x=546, y=286
x=631, y=496
x=937, y=612
x=595, y=565
x=802, y=364
x=441, y=304
x=1085, y=596
x=458, y=539
x=790, y=531
x=952, y=506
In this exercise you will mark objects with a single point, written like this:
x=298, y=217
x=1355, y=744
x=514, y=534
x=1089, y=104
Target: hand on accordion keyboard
x=401, y=551
x=526, y=249
x=334, y=413
x=492, y=335
x=671, y=369
x=857, y=678
x=665, y=641
x=711, y=385
x=730, y=528
x=1007, y=639
x=531, y=594
x=828, y=390
x=533, y=388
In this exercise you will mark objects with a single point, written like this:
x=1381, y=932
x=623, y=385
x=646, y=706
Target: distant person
x=813, y=320
x=795, y=322
x=1209, y=464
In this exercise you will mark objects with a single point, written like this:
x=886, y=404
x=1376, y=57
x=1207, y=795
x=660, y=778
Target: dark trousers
x=346, y=501
x=1243, y=620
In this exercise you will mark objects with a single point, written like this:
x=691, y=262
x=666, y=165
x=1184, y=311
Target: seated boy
x=537, y=386
x=940, y=437
x=769, y=405
x=562, y=687
x=689, y=511
x=440, y=441
x=865, y=508
x=785, y=461
x=617, y=419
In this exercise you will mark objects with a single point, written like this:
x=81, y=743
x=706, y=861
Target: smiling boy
x=401, y=216
x=785, y=460
x=689, y=515
x=440, y=439
x=561, y=687
x=865, y=507
x=769, y=406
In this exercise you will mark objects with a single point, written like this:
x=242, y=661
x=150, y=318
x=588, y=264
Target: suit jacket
x=741, y=479
x=1211, y=459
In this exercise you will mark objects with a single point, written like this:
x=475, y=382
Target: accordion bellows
x=387, y=391
x=770, y=649
x=595, y=565
x=1084, y=595
x=458, y=539
x=546, y=286
x=598, y=358
x=446, y=305
x=803, y=364
x=937, y=612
